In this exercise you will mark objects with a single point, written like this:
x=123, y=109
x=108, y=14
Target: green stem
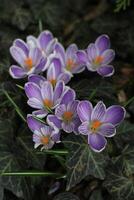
x=15, y=106
x=129, y=101
x=19, y=86
x=57, y=152
x=31, y=174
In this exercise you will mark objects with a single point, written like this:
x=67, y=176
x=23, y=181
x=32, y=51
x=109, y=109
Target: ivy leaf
x=66, y=196
x=82, y=161
x=120, y=186
x=10, y=162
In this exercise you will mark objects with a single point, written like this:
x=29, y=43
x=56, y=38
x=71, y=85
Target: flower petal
x=108, y=56
x=35, y=103
x=84, y=128
x=54, y=69
x=92, y=52
x=17, y=72
x=40, y=113
x=47, y=91
x=33, y=124
x=18, y=55
x=44, y=38
x=82, y=56
x=98, y=111
x=42, y=66
x=102, y=43
x=32, y=90
x=68, y=96
x=71, y=50
x=35, y=54
x=22, y=45
x=52, y=120
x=68, y=127
x=114, y=114
x=59, y=88
x=107, y=130
x=36, y=79
x=97, y=142
x=59, y=111
x=31, y=41
x=65, y=77
x=84, y=110
x=106, y=71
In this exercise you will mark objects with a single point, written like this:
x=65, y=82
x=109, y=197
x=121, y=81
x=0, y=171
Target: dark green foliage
x=87, y=175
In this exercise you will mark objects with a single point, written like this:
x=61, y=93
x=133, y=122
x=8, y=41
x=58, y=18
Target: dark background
x=71, y=21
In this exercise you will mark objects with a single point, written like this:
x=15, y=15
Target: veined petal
x=108, y=56
x=52, y=120
x=32, y=90
x=84, y=110
x=44, y=38
x=17, y=72
x=102, y=43
x=18, y=55
x=98, y=111
x=35, y=54
x=59, y=111
x=68, y=96
x=54, y=69
x=107, y=130
x=47, y=91
x=36, y=78
x=35, y=103
x=65, y=77
x=84, y=128
x=59, y=88
x=71, y=50
x=40, y=113
x=92, y=52
x=22, y=45
x=33, y=123
x=68, y=127
x=106, y=71
x=114, y=114
x=97, y=142
x=32, y=41
x=82, y=56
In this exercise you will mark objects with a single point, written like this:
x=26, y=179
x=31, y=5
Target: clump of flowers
x=55, y=105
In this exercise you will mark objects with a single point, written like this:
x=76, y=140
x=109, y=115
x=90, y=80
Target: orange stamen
x=70, y=64
x=98, y=60
x=48, y=103
x=45, y=139
x=95, y=125
x=67, y=116
x=29, y=63
x=53, y=82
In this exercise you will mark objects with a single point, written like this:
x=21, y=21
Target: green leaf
x=82, y=161
x=66, y=196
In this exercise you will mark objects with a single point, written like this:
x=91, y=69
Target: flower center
x=70, y=64
x=29, y=63
x=48, y=103
x=67, y=116
x=98, y=60
x=45, y=140
x=95, y=125
x=53, y=82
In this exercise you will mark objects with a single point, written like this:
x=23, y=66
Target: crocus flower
x=66, y=117
x=99, y=122
x=99, y=56
x=55, y=73
x=43, y=98
x=44, y=135
x=30, y=60
x=45, y=42
x=69, y=58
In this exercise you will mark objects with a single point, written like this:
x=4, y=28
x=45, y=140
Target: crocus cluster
x=49, y=67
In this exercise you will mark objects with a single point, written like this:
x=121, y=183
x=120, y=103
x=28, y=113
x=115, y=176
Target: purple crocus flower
x=69, y=58
x=55, y=73
x=44, y=98
x=99, y=122
x=99, y=55
x=45, y=42
x=44, y=135
x=30, y=60
x=66, y=117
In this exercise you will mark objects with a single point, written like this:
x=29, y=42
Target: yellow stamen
x=29, y=63
x=48, y=103
x=98, y=60
x=45, y=140
x=67, y=116
x=95, y=125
